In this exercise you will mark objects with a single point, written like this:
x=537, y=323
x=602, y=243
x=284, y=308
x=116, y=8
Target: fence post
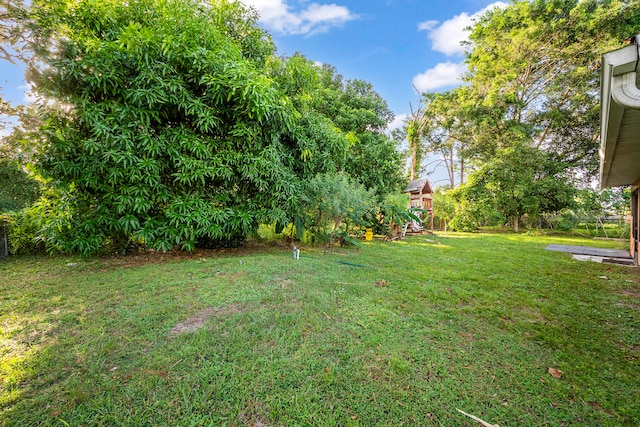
x=4, y=244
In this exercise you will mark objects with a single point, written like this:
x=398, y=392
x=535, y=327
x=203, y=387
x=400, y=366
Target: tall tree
x=414, y=133
x=167, y=127
x=518, y=181
x=363, y=115
x=445, y=133
x=532, y=71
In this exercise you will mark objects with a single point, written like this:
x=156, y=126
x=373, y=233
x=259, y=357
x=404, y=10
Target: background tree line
x=522, y=135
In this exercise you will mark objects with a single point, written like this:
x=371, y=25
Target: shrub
x=393, y=212
x=22, y=232
x=463, y=221
x=566, y=222
x=334, y=205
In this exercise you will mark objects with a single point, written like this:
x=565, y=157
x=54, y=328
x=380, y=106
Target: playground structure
x=421, y=196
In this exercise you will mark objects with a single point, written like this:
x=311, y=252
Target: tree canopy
x=533, y=78
x=520, y=181
x=173, y=123
x=531, y=95
x=533, y=74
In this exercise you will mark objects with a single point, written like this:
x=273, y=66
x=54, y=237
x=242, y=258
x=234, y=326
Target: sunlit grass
x=395, y=333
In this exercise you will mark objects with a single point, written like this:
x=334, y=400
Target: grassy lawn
x=395, y=333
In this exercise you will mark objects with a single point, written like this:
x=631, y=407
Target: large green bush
x=175, y=125
x=171, y=134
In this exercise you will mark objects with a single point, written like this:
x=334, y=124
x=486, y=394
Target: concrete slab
x=587, y=250
x=606, y=260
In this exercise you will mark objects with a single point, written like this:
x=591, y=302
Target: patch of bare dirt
x=382, y=283
x=196, y=321
x=146, y=257
x=251, y=417
x=634, y=293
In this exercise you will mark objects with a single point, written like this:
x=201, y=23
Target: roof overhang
x=420, y=186
x=620, y=117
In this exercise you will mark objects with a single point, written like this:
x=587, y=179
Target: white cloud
x=442, y=75
x=279, y=16
x=5, y=131
x=427, y=25
x=398, y=122
x=28, y=96
x=446, y=37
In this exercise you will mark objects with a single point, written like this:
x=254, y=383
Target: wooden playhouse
x=421, y=196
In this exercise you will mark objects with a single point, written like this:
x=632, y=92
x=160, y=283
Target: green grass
x=395, y=333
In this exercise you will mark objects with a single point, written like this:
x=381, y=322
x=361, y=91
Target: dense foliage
x=167, y=128
x=334, y=204
x=534, y=74
x=519, y=181
x=525, y=127
x=174, y=124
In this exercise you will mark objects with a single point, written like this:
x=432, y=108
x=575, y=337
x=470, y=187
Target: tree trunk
x=516, y=221
x=451, y=169
x=414, y=160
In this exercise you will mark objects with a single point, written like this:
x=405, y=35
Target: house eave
x=620, y=117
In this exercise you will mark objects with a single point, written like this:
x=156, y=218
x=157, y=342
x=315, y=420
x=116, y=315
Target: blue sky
x=390, y=43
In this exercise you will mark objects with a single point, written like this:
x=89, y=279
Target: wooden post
x=4, y=243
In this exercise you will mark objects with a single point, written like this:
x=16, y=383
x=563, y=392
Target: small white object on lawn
x=473, y=417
